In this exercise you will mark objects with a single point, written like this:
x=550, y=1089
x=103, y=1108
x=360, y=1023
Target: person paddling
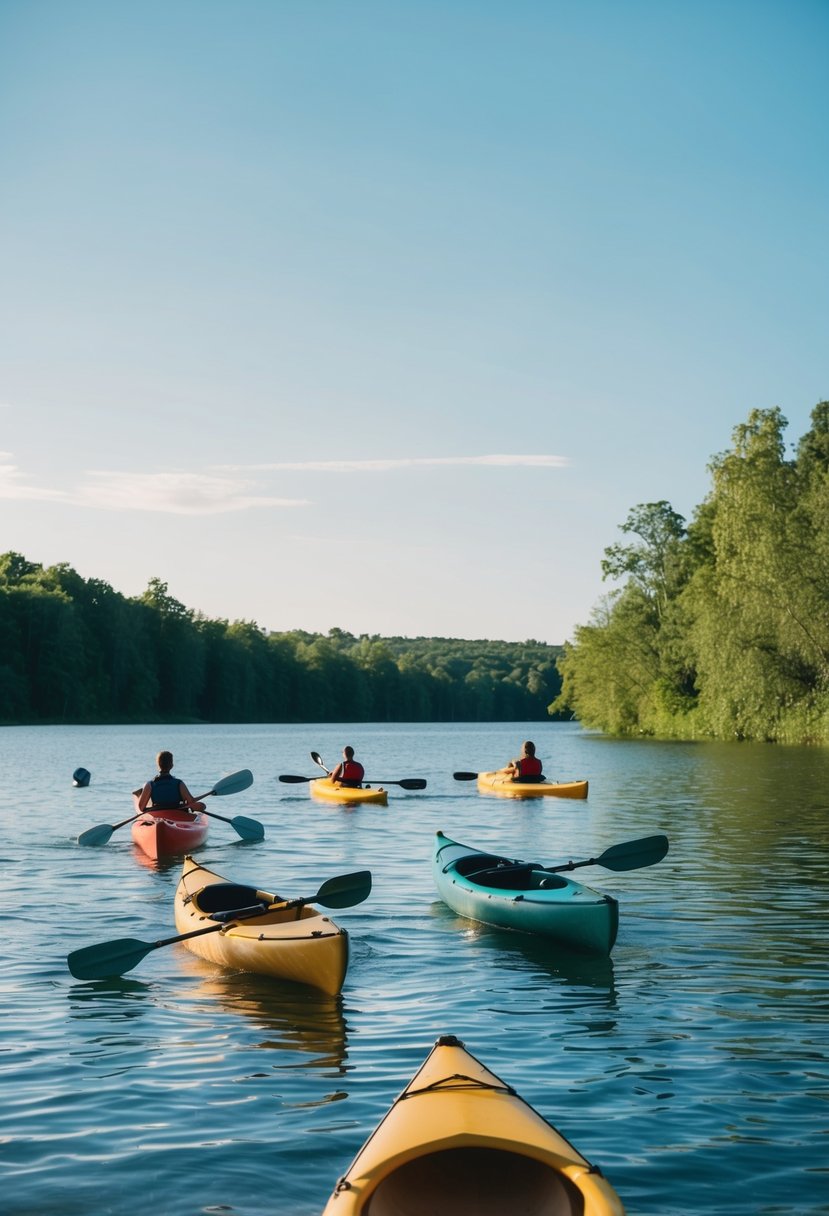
x=165, y=792
x=349, y=772
x=527, y=767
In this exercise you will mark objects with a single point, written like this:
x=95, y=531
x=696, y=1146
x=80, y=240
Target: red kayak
x=162, y=833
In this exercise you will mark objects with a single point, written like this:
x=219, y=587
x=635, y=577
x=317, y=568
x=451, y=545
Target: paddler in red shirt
x=527, y=767
x=349, y=772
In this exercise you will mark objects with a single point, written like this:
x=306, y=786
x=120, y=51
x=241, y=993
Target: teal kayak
x=524, y=896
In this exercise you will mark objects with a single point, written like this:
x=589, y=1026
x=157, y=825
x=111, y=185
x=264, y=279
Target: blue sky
x=383, y=315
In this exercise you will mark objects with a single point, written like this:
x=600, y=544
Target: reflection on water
x=292, y=1018
x=689, y=1064
x=532, y=958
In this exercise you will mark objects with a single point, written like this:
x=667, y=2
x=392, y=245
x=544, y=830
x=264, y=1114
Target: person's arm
x=337, y=773
x=188, y=799
x=144, y=796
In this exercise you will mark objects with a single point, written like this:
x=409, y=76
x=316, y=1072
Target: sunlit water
x=692, y=1066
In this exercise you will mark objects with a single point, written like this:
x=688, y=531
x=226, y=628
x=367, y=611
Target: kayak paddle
x=248, y=829
x=116, y=957
x=408, y=783
x=631, y=855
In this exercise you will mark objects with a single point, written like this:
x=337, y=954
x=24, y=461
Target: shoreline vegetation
x=75, y=651
x=721, y=627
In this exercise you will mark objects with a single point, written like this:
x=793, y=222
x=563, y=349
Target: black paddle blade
x=97, y=835
x=108, y=959
x=344, y=891
x=248, y=829
x=465, y=776
x=410, y=783
x=233, y=783
x=634, y=854
x=292, y=779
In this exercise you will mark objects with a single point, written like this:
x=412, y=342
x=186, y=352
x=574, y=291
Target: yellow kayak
x=460, y=1142
x=298, y=944
x=329, y=791
x=501, y=783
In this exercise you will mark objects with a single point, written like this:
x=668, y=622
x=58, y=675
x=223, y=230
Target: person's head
x=528, y=748
x=164, y=760
x=348, y=752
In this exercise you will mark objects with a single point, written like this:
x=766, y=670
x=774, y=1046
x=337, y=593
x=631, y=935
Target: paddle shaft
x=408, y=783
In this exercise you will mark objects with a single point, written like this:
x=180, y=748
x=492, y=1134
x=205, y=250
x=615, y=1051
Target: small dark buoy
x=81, y=776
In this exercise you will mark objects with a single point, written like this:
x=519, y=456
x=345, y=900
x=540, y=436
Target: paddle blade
x=634, y=854
x=292, y=779
x=344, y=891
x=410, y=783
x=317, y=758
x=96, y=835
x=465, y=776
x=248, y=829
x=233, y=783
x=107, y=959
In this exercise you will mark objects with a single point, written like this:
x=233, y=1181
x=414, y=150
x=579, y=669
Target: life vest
x=530, y=768
x=165, y=792
x=351, y=773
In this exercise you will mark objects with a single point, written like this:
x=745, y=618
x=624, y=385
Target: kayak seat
x=536, y=779
x=225, y=897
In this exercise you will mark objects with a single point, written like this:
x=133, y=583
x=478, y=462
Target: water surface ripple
x=691, y=1065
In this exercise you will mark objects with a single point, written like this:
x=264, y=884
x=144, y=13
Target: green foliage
x=721, y=629
x=75, y=650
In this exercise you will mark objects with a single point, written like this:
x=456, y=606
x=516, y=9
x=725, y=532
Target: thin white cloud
x=14, y=484
x=174, y=493
x=170, y=493
x=412, y=462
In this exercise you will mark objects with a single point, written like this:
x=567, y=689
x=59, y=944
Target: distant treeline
x=74, y=650
x=721, y=629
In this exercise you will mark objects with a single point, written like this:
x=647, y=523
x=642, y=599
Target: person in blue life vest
x=527, y=767
x=165, y=792
x=349, y=772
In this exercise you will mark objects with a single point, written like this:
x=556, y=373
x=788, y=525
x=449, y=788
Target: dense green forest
x=721, y=627
x=74, y=650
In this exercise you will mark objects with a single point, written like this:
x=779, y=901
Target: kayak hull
x=327, y=790
x=296, y=944
x=502, y=785
x=460, y=1142
x=525, y=897
x=169, y=833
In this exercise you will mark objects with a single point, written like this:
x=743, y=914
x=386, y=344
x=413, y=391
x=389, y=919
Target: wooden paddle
x=408, y=783
x=248, y=829
x=116, y=957
x=631, y=855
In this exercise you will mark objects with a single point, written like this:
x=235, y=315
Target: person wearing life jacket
x=165, y=792
x=527, y=767
x=349, y=772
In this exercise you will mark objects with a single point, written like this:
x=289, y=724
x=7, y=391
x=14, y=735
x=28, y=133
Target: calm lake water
x=692, y=1066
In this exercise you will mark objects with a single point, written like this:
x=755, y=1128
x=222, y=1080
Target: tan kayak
x=501, y=783
x=297, y=944
x=460, y=1142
